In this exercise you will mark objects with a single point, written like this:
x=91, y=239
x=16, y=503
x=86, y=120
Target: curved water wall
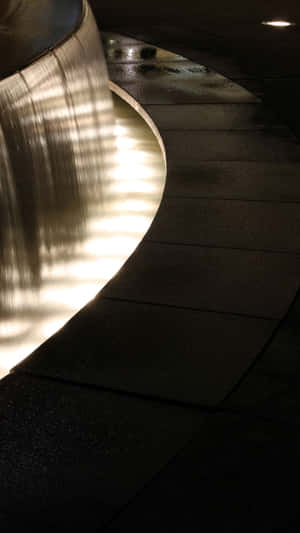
x=56, y=135
x=60, y=191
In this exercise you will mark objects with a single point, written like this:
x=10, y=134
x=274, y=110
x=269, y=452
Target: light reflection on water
x=81, y=228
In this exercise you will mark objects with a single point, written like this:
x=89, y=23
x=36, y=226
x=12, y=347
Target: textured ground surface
x=172, y=400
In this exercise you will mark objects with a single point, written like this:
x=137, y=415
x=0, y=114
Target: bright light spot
x=127, y=224
x=128, y=172
x=126, y=157
x=72, y=297
x=12, y=355
x=278, y=23
x=130, y=52
x=125, y=143
x=13, y=328
x=136, y=206
x=50, y=328
x=109, y=246
x=136, y=186
x=120, y=131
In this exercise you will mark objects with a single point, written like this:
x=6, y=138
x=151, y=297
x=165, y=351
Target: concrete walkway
x=171, y=401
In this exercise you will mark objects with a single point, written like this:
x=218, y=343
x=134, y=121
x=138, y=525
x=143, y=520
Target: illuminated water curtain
x=69, y=216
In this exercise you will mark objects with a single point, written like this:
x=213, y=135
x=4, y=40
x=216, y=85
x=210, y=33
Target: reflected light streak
x=13, y=328
x=278, y=23
x=94, y=188
x=137, y=186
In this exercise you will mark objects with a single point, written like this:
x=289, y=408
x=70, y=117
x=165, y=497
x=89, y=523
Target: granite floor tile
x=266, y=396
x=193, y=147
x=228, y=223
x=281, y=359
x=212, y=117
x=72, y=455
x=234, y=281
x=176, y=354
x=238, y=474
x=271, y=387
x=250, y=180
x=150, y=87
x=257, y=393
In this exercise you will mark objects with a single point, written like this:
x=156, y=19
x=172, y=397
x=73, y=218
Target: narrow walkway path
x=219, y=267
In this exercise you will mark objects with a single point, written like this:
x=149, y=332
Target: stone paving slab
x=173, y=89
x=282, y=358
x=176, y=354
x=213, y=116
x=238, y=474
x=71, y=455
x=216, y=279
x=266, y=396
x=228, y=223
x=249, y=180
x=271, y=388
x=192, y=147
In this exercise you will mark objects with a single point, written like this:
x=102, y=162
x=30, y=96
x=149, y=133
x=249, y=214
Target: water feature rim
x=124, y=95
x=45, y=22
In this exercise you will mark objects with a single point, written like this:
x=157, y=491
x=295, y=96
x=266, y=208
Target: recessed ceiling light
x=278, y=23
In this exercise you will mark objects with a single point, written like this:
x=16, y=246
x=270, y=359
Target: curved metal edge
x=30, y=31
x=143, y=113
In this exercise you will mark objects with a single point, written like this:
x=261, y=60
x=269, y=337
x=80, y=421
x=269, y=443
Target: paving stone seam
x=217, y=104
x=148, y=62
x=248, y=416
x=230, y=199
x=213, y=246
x=252, y=413
x=124, y=86
x=195, y=309
x=261, y=161
x=279, y=378
x=147, y=483
x=175, y=104
x=260, y=355
x=267, y=129
x=289, y=136
x=226, y=130
x=202, y=408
